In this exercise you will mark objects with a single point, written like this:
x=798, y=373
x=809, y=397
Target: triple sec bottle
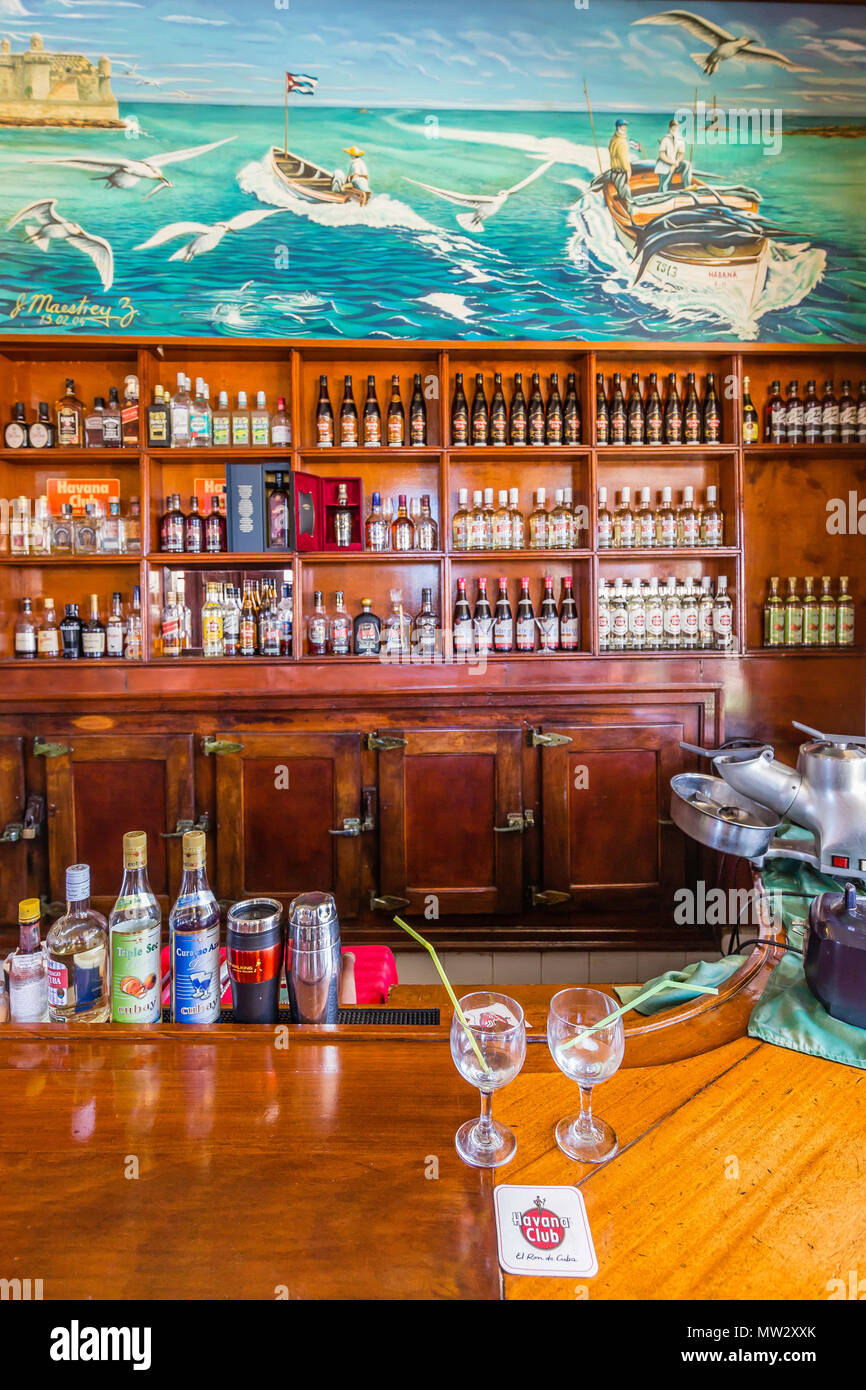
x=194, y=937
x=135, y=928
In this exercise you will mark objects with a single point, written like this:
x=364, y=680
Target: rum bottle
x=193, y=529
x=635, y=420
x=653, y=413
x=602, y=415
x=459, y=415
x=775, y=417
x=279, y=528
x=201, y=417
x=553, y=418
x=829, y=416
x=692, y=417
x=348, y=417
x=402, y=527
x=706, y=637
x=324, y=417
x=502, y=523
x=751, y=428
x=525, y=619
x=70, y=632
x=212, y=641
x=635, y=618
x=480, y=416
x=171, y=527
x=317, y=627
x=645, y=522
x=194, y=940
x=518, y=420
x=673, y=417
x=48, y=636
x=712, y=415
x=340, y=627
x=425, y=629
x=617, y=412
x=93, y=633
x=417, y=415
x=342, y=519
x=498, y=413
x=603, y=617
x=518, y=523
x=426, y=529
x=372, y=417
x=135, y=930
x=654, y=616
x=503, y=620
x=477, y=522
x=847, y=416
x=483, y=620
x=811, y=416
x=215, y=531
x=134, y=647
x=569, y=618
x=535, y=413
x=604, y=522
x=623, y=522
x=794, y=421
x=377, y=533
x=539, y=523
x=367, y=630
x=396, y=423
x=248, y=631
x=572, y=429
x=77, y=950
x=548, y=619
x=115, y=628
x=723, y=617
x=687, y=520
x=712, y=521
x=618, y=616
x=666, y=522
x=28, y=968
x=25, y=632
x=17, y=434
x=461, y=623
x=159, y=421
x=286, y=618
x=461, y=522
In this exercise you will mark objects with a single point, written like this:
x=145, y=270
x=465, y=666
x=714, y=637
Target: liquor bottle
x=171, y=627
x=193, y=529
x=503, y=620
x=489, y=514
x=793, y=617
x=794, y=421
x=559, y=523
x=340, y=627
x=666, y=522
x=343, y=519
x=212, y=644
x=623, y=522
x=158, y=421
x=673, y=418
x=461, y=625
x=368, y=630
x=194, y=940
x=111, y=424
x=77, y=950
x=617, y=412
x=602, y=414
x=827, y=604
x=712, y=415
x=844, y=614
x=671, y=616
x=128, y=411
x=461, y=522
x=40, y=527
x=324, y=417
x=548, y=619
x=775, y=417
x=86, y=532
x=48, y=636
x=93, y=633
x=618, y=617
x=829, y=416
x=604, y=522
x=653, y=414
x=688, y=530
x=706, y=637
x=477, y=522
x=712, y=521
x=459, y=415
x=502, y=523
x=398, y=630
x=861, y=415
x=269, y=621
x=645, y=522
x=377, y=533
x=115, y=628
x=396, y=422
x=417, y=415
x=539, y=527
x=603, y=617
x=689, y=616
x=317, y=627
x=171, y=527
x=70, y=418
x=180, y=406
x=535, y=419
x=281, y=426
x=372, y=417
x=279, y=520
x=134, y=933
x=402, y=527
x=425, y=629
x=28, y=968
x=42, y=433
x=231, y=611
x=847, y=416
x=426, y=529
x=241, y=423
x=518, y=522
x=286, y=618
x=569, y=618
x=221, y=422
x=751, y=427
x=654, y=622
x=482, y=621
x=811, y=614
x=70, y=632
x=17, y=434
x=635, y=429
x=635, y=618
x=19, y=526
x=518, y=432
x=575, y=515
x=134, y=643
x=553, y=419
x=201, y=418
x=215, y=531
x=480, y=416
x=525, y=626
x=498, y=413
x=63, y=531
x=348, y=417
x=25, y=632
x=692, y=415
x=811, y=415
x=723, y=617
x=260, y=422
x=572, y=425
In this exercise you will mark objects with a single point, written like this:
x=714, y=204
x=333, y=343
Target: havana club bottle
x=673, y=416
x=348, y=417
x=317, y=627
x=751, y=428
x=553, y=419
x=602, y=414
x=324, y=417
x=396, y=423
x=517, y=419
x=503, y=620
x=572, y=429
x=425, y=629
x=498, y=413
x=653, y=413
x=712, y=415
x=536, y=415
x=617, y=412
x=635, y=420
x=417, y=415
x=480, y=420
x=692, y=421
x=372, y=417
x=459, y=415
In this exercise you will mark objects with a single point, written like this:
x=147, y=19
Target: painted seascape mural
x=375, y=169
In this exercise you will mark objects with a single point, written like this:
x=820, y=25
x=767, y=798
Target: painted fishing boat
x=311, y=181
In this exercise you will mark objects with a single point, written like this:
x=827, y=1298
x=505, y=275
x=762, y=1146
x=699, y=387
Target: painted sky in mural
x=444, y=177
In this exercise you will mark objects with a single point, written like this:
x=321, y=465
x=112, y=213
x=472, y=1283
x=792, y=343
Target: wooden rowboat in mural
x=311, y=181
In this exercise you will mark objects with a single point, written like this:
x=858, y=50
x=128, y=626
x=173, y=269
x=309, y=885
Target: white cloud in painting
x=13, y=7
x=192, y=19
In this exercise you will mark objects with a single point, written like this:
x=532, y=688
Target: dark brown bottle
x=367, y=635
x=480, y=421
x=635, y=421
x=193, y=529
x=459, y=414
x=372, y=417
x=171, y=527
x=548, y=618
x=503, y=621
x=517, y=423
x=535, y=413
x=569, y=618
x=525, y=633
x=483, y=620
x=554, y=417
x=461, y=623
x=712, y=416
x=417, y=415
x=847, y=415
x=70, y=633
x=396, y=423
x=602, y=414
x=653, y=412
x=811, y=415
x=794, y=415
x=829, y=416
x=692, y=419
x=673, y=420
x=324, y=417
x=617, y=411
x=348, y=417
x=215, y=531
x=498, y=413
x=93, y=634
x=775, y=417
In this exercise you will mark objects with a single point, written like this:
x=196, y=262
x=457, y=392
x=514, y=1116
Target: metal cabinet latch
x=184, y=825
x=539, y=738
x=387, y=903
x=43, y=749
x=382, y=742
x=220, y=745
x=33, y=817
x=518, y=821
x=552, y=898
x=12, y=833
x=351, y=827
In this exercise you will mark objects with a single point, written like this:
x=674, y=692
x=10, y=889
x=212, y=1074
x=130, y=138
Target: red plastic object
x=375, y=973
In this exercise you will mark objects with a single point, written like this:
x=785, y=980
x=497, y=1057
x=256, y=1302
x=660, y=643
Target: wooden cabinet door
x=607, y=836
x=105, y=784
x=441, y=797
x=278, y=799
x=13, y=854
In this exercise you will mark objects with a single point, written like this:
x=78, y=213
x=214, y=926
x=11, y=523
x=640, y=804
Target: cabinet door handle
x=518, y=821
x=387, y=903
x=351, y=827
x=184, y=825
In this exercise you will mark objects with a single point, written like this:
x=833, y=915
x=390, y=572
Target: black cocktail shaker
x=254, y=955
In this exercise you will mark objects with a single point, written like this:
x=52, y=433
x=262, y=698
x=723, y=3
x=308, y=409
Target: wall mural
x=372, y=169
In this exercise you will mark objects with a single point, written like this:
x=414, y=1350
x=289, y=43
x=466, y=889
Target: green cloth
x=794, y=884
x=789, y=1015
x=700, y=972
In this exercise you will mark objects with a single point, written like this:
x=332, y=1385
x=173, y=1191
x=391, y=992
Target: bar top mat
x=377, y=1017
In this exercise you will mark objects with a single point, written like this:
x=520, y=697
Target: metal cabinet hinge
x=12, y=833
x=351, y=827
x=518, y=821
x=540, y=738
x=43, y=749
x=551, y=898
x=184, y=825
x=387, y=903
x=220, y=745
x=382, y=742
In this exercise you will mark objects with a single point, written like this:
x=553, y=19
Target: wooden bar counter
x=225, y=1163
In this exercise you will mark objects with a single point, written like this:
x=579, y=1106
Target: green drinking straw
x=638, y=999
x=447, y=983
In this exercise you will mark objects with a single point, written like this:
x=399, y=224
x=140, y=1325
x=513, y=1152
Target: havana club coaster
x=544, y=1230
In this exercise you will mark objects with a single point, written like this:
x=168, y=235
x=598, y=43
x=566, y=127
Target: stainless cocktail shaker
x=313, y=959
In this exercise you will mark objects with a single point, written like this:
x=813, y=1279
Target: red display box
x=314, y=501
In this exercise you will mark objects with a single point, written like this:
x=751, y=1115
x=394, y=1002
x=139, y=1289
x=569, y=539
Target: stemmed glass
x=498, y=1027
x=597, y=1057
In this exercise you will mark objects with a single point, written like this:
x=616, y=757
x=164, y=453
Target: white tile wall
x=544, y=967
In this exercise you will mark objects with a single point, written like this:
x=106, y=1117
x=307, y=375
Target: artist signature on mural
x=83, y=312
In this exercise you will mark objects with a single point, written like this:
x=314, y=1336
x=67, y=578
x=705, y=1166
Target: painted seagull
x=483, y=205
x=204, y=237
x=138, y=78
x=126, y=173
x=47, y=226
x=723, y=45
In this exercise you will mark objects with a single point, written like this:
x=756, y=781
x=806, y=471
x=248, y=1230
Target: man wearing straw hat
x=358, y=176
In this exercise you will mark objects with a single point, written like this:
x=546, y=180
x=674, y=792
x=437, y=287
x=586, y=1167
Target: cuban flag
x=301, y=83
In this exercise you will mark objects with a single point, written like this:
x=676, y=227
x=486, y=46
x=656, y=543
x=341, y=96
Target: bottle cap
x=194, y=849
x=134, y=849
x=30, y=910
x=77, y=882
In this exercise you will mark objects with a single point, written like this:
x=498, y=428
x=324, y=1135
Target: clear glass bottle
x=281, y=426
x=111, y=531
x=502, y=523
x=63, y=531
x=426, y=529
x=132, y=528
x=340, y=627
x=180, y=406
x=576, y=524
x=212, y=623
x=635, y=612
x=286, y=615
x=260, y=422
x=77, y=949
x=712, y=521
x=48, y=636
x=231, y=621
x=723, y=617
x=603, y=616
x=559, y=528
x=624, y=522
x=654, y=620
x=706, y=637
x=477, y=522
x=194, y=940
x=201, y=417
x=28, y=968
x=377, y=533
x=40, y=528
x=618, y=610
x=134, y=647
x=645, y=522
x=518, y=521
x=672, y=617
x=241, y=432
x=689, y=616
x=461, y=522
x=115, y=628
x=402, y=527
x=221, y=424
x=688, y=531
x=134, y=933
x=398, y=629
x=539, y=523
x=19, y=526
x=604, y=524
x=666, y=522
x=489, y=514
x=844, y=614
x=86, y=532
x=425, y=629
x=342, y=519
x=317, y=626
x=25, y=632
x=171, y=627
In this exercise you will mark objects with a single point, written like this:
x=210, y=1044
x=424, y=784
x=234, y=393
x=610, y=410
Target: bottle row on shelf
x=258, y=623
x=27, y=527
x=75, y=638
x=350, y=429
x=662, y=527
x=641, y=419
x=807, y=620
x=665, y=615
x=107, y=426
x=188, y=420
x=192, y=533
x=812, y=419
x=536, y=423
x=483, y=527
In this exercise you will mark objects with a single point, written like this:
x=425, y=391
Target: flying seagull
x=138, y=78
x=126, y=173
x=204, y=237
x=47, y=226
x=483, y=205
x=722, y=44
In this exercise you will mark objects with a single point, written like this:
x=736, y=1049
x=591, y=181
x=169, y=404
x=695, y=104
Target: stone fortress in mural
x=55, y=89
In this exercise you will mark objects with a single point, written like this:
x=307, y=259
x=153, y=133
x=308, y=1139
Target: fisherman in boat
x=620, y=161
x=358, y=178
x=672, y=158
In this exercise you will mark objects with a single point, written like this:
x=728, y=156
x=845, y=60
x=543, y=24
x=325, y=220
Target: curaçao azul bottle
x=194, y=932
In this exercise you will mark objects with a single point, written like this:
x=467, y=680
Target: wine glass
x=498, y=1027
x=594, y=1059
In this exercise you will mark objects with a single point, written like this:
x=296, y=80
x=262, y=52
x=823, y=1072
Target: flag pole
x=592, y=127
x=286, y=123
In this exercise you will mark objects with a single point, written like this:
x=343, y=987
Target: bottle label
x=255, y=966
x=366, y=637
x=502, y=532
x=199, y=426
x=811, y=625
x=212, y=630
x=722, y=621
x=548, y=629
x=711, y=523
x=221, y=432
x=690, y=620
x=261, y=430
x=603, y=624
x=625, y=531
x=526, y=634
x=93, y=643
x=674, y=426
x=16, y=436
x=349, y=431
x=48, y=642
x=395, y=431
x=111, y=436
x=324, y=431
x=39, y=435
x=25, y=642
x=601, y=431
x=605, y=531
x=418, y=430
x=459, y=429
x=750, y=429
x=693, y=425
x=68, y=428
x=240, y=429
x=463, y=636
x=179, y=423
x=372, y=431
x=845, y=625
x=536, y=430
x=688, y=529
x=503, y=634
x=646, y=530
x=672, y=620
x=318, y=632
x=619, y=622
x=158, y=427
x=281, y=434
x=568, y=634
x=340, y=636
x=478, y=533
x=135, y=972
x=666, y=530
x=80, y=988
x=655, y=625
x=560, y=531
x=479, y=429
x=554, y=429
x=114, y=641
x=636, y=618
x=518, y=532
x=195, y=972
